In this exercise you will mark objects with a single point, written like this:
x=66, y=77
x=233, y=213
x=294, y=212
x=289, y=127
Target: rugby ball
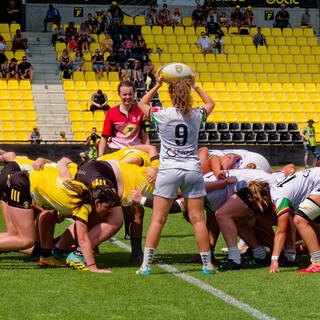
x=176, y=71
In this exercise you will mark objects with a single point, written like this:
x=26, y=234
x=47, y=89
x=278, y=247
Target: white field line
x=213, y=291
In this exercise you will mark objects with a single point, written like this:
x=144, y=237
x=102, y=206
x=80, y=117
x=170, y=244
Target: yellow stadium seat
x=233, y=58
x=288, y=87
x=223, y=96
x=26, y=95
x=184, y=48
x=253, y=87
x=210, y=58
x=226, y=106
x=294, y=50
x=192, y=39
x=313, y=68
x=265, y=117
x=187, y=58
x=285, y=106
x=240, y=50
x=4, y=95
x=13, y=84
x=145, y=30
x=202, y=67
x=230, y=116
x=291, y=41
x=5, y=104
x=268, y=96
x=221, y=58
x=22, y=136
x=310, y=87
x=84, y=105
x=78, y=76
x=239, y=76
x=198, y=57
x=316, y=78
x=182, y=39
x=75, y=116
x=262, y=77
x=295, y=77
x=229, y=49
x=220, y=86
x=28, y=105
x=238, y=107
x=171, y=39
x=284, y=78
x=231, y=86
x=316, y=51
x=277, y=117
x=273, y=50
x=254, y=58
x=9, y=136
x=287, y=59
x=99, y=115
x=273, y=107
x=88, y=126
x=189, y=31
x=77, y=126
x=14, y=27
x=261, y=107
x=80, y=85
x=253, y=117
x=30, y=116
x=313, y=42
x=159, y=39
x=246, y=96
x=199, y=30
x=167, y=30
x=306, y=78
x=82, y=95
x=292, y=68
x=280, y=96
x=179, y=31
x=266, y=87
x=30, y=124
x=165, y=58
x=247, y=68
x=251, y=50
x=187, y=21
x=265, y=31
x=280, y=68
x=297, y=32
x=234, y=96
x=224, y=67
x=205, y=77
x=265, y=58
x=3, y=84
x=251, y=77
x=262, y=50
x=19, y=126
x=242, y=116
x=87, y=116
x=25, y=84
x=14, y=95
x=257, y=96
x=7, y=126
x=60, y=46
x=303, y=97
x=236, y=40
x=140, y=20
x=92, y=85
x=235, y=68
x=127, y=20
x=79, y=136
x=276, y=32
x=216, y=76
x=314, y=97
x=243, y=58
x=307, y=107
x=302, y=41
x=312, y=115
x=176, y=57
x=113, y=76
x=291, y=97
x=302, y=68
x=309, y=59
x=296, y=107
x=73, y=105
x=283, y=50
x=71, y=95
x=276, y=58
x=269, y=68
x=227, y=77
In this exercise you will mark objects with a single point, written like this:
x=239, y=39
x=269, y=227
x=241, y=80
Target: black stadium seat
x=273, y=137
x=202, y=127
x=293, y=127
x=225, y=137
x=258, y=127
x=250, y=137
x=223, y=127
x=214, y=137
x=269, y=127
x=210, y=127
x=285, y=137
x=234, y=127
x=246, y=127
x=282, y=127
x=238, y=137
x=203, y=137
x=261, y=137
x=296, y=138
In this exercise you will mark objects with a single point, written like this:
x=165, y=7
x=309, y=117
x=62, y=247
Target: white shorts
x=169, y=181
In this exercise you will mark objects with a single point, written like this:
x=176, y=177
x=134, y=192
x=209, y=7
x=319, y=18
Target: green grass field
x=28, y=292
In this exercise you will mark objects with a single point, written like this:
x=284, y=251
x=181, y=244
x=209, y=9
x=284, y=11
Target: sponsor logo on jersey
x=129, y=129
x=171, y=152
x=26, y=204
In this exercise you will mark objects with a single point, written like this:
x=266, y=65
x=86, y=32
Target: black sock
x=136, y=247
x=45, y=252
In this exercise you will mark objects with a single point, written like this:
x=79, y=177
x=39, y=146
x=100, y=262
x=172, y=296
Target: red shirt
x=124, y=131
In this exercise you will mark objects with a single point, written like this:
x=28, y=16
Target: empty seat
x=203, y=137
x=273, y=137
x=250, y=137
x=269, y=127
x=258, y=127
x=282, y=127
x=261, y=137
x=214, y=137
x=238, y=137
x=234, y=127
x=225, y=137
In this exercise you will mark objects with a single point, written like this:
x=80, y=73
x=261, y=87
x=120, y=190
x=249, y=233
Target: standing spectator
x=306, y=19
x=71, y=31
x=25, y=69
x=13, y=70
x=218, y=45
x=164, y=16
x=308, y=134
x=106, y=44
x=207, y=6
x=20, y=42
x=98, y=63
x=236, y=17
x=78, y=61
x=223, y=20
x=152, y=16
x=117, y=13
x=65, y=61
x=99, y=101
x=58, y=34
x=73, y=44
x=93, y=142
x=35, y=136
x=176, y=18
x=198, y=16
x=136, y=72
x=249, y=17
x=52, y=16
x=259, y=39
x=281, y=19
x=204, y=43
x=62, y=139
x=92, y=23
x=13, y=12
x=213, y=26
x=84, y=34
x=125, y=73
x=112, y=63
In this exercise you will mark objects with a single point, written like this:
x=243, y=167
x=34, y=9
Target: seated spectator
x=127, y=45
x=4, y=68
x=259, y=39
x=218, y=45
x=19, y=42
x=93, y=142
x=52, y=16
x=125, y=73
x=112, y=63
x=35, y=136
x=236, y=17
x=62, y=139
x=73, y=44
x=12, y=72
x=223, y=20
x=84, y=34
x=152, y=16
x=78, y=61
x=106, y=44
x=306, y=19
x=281, y=19
x=176, y=18
x=158, y=51
x=116, y=12
x=148, y=73
x=92, y=23
x=58, y=34
x=71, y=31
x=140, y=45
x=99, y=15
x=65, y=61
x=99, y=101
x=102, y=26
x=13, y=12
x=164, y=16
x=204, y=43
x=3, y=44
x=98, y=63
x=136, y=72
x=25, y=69
x=198, y=16
x=249, y=17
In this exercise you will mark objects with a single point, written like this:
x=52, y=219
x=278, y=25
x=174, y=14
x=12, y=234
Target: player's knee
x=307, y=211
x=196, y=217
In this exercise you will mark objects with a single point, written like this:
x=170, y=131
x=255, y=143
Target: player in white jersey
x=299, y=192
x=180, y=165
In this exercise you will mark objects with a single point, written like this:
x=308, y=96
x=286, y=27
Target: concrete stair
x=48, y=94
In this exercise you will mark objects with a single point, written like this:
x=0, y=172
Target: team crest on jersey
x=26, y=204
x=129, y=129
x=178, y=68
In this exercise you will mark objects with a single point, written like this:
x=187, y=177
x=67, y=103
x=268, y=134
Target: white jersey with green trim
x=296, y=187
x=179, y=137
x=249, y=175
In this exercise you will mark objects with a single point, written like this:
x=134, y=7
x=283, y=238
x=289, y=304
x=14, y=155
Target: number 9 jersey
x=179, y=137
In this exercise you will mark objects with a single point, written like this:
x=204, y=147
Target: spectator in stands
x=84, y=41
x=308, y=134
x=13, y=70
x=249, y=17
x=58, y=34
x=13, y=12
x=3, y=57
x=117, y=13
x=176, y=18
x=99, y=101
x=152, y=16
x=78, y=61
x=140, y=46
x=148, y=73
x=4, y=68
x=213, y=26
x=73, y=44
x=92, y=23
x=97, y=63
x=20, y=42
x=106, y=44
x=125, y=73
x=164, y=16
x=93, y=142
x=112, y=63
x=218, y=45
x=158, y=51
x=223, y=20
x=52, y=16
x=237, y=17
x=3, y=44
x=281, y=19
x=204, y=43
x=65, y=61
x=62, y=139
x=137, y=72
x=99, y=15
x=71, y=31
x=25, y=69
x=198, y=16
x=35, y=136
x=306, y=19
x=127, y=45
x=259, y=39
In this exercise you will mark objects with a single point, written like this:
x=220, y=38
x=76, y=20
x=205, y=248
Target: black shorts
x=18, y=193
x=8, y=170
x=245, y=195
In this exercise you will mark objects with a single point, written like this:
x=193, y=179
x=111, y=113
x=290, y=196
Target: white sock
x=290, y=255
x=259, y=253
x=241, y=243
x=234, y=255
x=148, y=256
x=206, y=257
x=315, y=256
